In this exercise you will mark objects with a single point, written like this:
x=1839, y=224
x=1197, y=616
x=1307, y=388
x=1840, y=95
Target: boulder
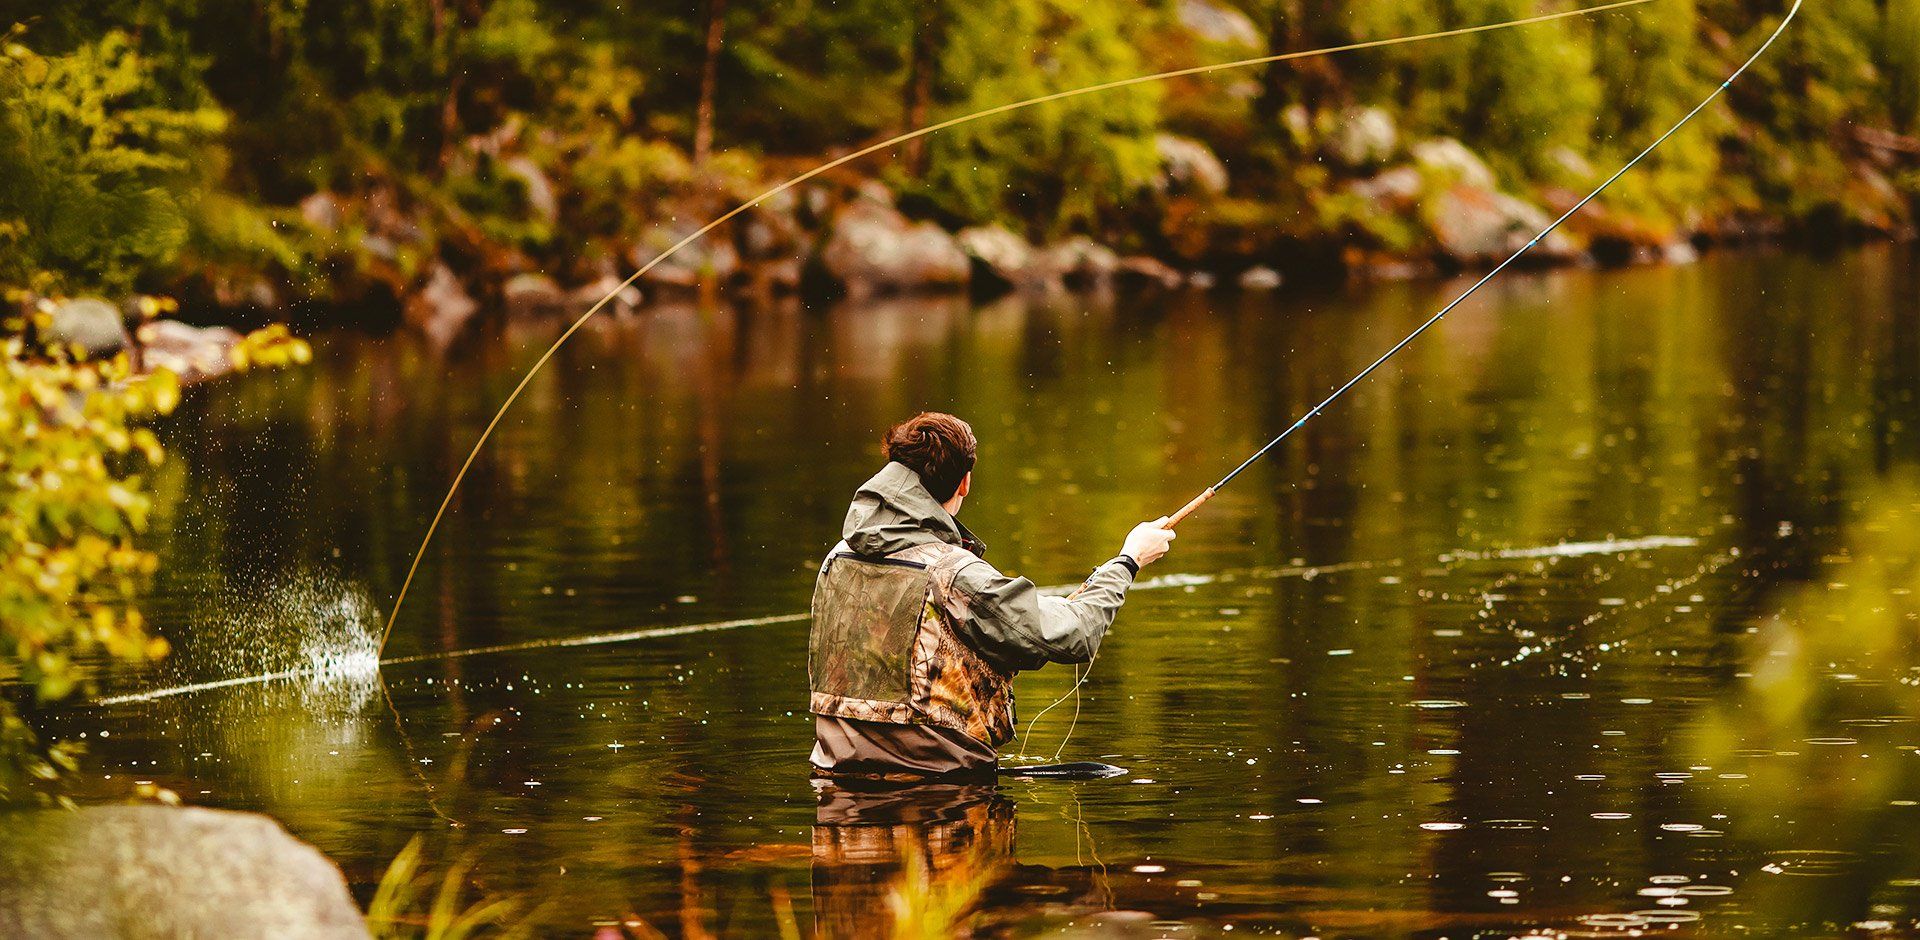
x=532, y=294
x=441, y=307
x=193, y=353
x=321, y=211
x=1141, y=269
x=89, y=323
x=1002, y=259
x=1216, y=22
x=873, y=248
x=1397, y=188
x=136, y=872
x=1189, y=165
x=1083, y=262
x=1363, y=137
x=1259, y=277
x=1451, y=158
x=1473, y=224
x=626, y=297
x=539, y=189
x=710, y=257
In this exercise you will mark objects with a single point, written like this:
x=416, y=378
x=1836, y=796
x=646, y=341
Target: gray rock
x=540, y=196
x=711, y=256
x=1083, y=262
x=626, y=297
x=441, y=307
x=1680, y=252
x=532, y=294
x=1399, y=187
x=90, y=323
x=1202, y=279
x=1001, y=258
x=136, y=872
x=1190, y=165
x=1141, y=269
x=873, y=248
x=321, y=211
x=1216, y=22
x=1452, y=159
x=1363, y=137
x=1259, y=277
x=193, y=353
x=1474, y=224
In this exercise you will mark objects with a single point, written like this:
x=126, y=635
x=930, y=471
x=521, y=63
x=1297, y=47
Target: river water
x=1588, y=614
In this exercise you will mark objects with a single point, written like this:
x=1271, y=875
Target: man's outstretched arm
x=1016, y=627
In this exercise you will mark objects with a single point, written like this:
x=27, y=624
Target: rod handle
x=1191, y=505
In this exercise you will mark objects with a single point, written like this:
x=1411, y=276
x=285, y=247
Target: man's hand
x=1148, y=541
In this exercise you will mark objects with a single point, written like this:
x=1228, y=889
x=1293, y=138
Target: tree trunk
x=709, y=75
x=919, y=92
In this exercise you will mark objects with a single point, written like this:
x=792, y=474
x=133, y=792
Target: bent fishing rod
x=487, y=433
x=1208, y=493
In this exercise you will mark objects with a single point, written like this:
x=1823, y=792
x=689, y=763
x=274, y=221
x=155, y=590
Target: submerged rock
x=193, y=353
x=89, y=323
x=873, y=248
x=135, y=872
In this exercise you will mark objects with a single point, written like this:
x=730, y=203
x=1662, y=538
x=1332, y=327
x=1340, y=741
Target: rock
x=532, y=294
x=1219, y=23
x=1259, y=277
x=1141, y=269
x=136, y=872
x=441, y=307
x=90, y=323
x=193, y=353
x=626, y=298
x=1363, y=137
x=540, y=197
x=1680, y=252
x=1003, y=259
x=1396, y=188
x=1474, y=224
x=709, y=257
x=1452, y=158
x=1083, y=262
x=321, y=211
x=873, y=248
x=1202, y=279
x=1189, y=165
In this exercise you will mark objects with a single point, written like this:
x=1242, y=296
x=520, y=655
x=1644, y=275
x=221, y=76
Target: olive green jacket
x=1010, y=623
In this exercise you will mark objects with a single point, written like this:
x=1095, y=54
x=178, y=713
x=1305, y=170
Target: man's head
x=940, y=448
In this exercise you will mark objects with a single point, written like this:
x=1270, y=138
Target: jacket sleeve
x=1015, y=627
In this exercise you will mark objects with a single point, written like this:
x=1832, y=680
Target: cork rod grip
x=1188, y=509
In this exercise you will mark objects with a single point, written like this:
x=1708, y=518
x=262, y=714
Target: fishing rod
x=539, y=364
x=1208, y=493
x=1195, y=503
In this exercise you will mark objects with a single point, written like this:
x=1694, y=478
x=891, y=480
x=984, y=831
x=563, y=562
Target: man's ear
x=966, y=484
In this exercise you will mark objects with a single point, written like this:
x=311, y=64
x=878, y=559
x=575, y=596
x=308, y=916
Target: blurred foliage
x=518, y=135
x=74, y=502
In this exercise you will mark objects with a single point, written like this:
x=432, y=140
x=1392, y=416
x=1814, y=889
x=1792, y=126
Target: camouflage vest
x=885, y=648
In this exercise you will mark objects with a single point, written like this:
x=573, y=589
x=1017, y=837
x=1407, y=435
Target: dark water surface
x=1389, y=701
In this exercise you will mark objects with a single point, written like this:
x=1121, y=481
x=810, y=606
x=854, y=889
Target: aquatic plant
x=396, y=909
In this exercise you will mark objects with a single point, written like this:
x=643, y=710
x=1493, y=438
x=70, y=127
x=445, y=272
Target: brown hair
x=939, y=447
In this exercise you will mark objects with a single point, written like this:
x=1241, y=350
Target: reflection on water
x=1482, y=650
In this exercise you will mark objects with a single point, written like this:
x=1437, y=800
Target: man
x=916, y=640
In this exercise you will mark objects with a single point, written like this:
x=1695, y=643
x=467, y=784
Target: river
x=1524, y=634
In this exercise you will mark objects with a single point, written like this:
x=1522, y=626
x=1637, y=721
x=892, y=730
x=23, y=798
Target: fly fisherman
x=916, y=640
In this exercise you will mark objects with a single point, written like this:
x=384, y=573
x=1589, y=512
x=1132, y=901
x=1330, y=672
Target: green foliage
x=100, y=169
x=1055, y=168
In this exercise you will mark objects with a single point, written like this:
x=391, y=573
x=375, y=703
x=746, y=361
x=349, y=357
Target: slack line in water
x=461, y=475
